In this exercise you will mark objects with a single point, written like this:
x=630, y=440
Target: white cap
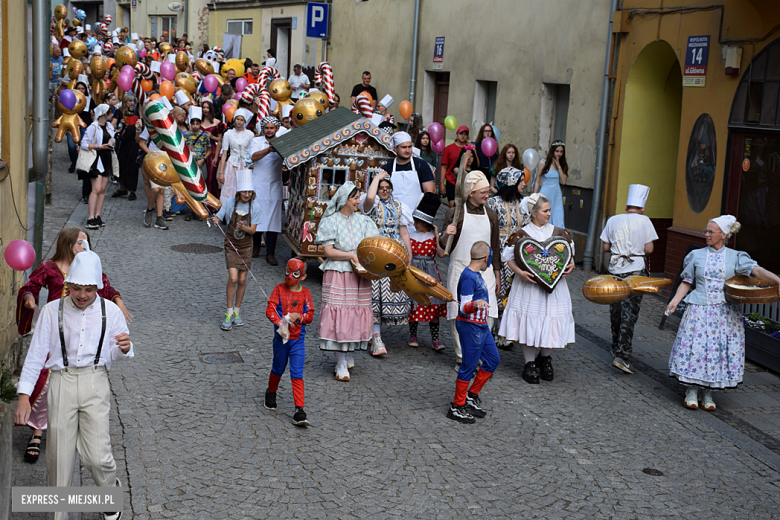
x=387, y=101
x=181, y=97
x=115, y=40
x=401, y=138
x=196, y=113
x=100, y=110
x=65, y=52
x=286, y=110
x=244, y=181
x=155, y=66
x=243, y=112
x=725, y=222
x=86, y=269
x=637, y=195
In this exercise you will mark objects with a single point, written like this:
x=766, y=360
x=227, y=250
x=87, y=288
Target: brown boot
x=271, y=259
x=255, y=252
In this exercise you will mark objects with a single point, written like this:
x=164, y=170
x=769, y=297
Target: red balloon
x=489, y=146
x=19, y=255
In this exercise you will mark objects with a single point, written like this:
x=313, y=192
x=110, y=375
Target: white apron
x=269, y=188
x=406, y=186
x=475, y=228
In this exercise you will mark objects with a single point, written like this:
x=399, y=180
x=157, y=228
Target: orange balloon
x=146, y=85
x=405, y=109
x=229, y=111
x=154, y=96
x=527, y=175
x=167, y=89
x=109, y=62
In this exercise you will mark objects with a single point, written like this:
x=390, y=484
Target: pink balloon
x=225, y=106
x=237, y=96
x=241, y=84
x=168, y=70
x=127, y=69
x=125, y=81
x=19, y=255
x=211, y=83
x=489, y=146
x=142, y=53
x=438, y=146
x=436, y=131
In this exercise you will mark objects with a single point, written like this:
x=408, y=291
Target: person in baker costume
x=629, y=238
x=183, y=100
x=267, y=179
x=709, y=350
x=411, y=176
x=383, y=106
x=77, y=337
x=476, y=222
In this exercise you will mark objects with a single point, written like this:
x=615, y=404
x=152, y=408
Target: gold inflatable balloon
x=186, y=82
x=306, y=110
x=98, y=66
x=74, y=69
x=159, y=168
x=322, y=97
x=166, y=49
x=77, y=48
x=182, y=61
x=69, y=122
x=607, y=289
x=204, y=67
x=60, y=12
x=125, y=56
x=280, y=90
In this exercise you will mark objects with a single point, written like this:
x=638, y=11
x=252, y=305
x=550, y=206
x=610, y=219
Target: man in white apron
x=410, y=176
x=268, y=184
x=479, y=223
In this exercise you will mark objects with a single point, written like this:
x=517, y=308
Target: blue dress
x=551, y=188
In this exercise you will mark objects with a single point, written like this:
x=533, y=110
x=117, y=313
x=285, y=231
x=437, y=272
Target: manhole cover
x=652, y=471
x=198, y=249
x=221, y=358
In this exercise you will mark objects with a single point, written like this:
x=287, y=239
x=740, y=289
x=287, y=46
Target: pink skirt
x=346, y=318
x=229, y=187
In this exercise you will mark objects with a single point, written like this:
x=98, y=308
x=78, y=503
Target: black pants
x=623, y=316
x=270, y=241
x=86, y=187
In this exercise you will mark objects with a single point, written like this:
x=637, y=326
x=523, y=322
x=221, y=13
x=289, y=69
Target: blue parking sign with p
x=317, y=15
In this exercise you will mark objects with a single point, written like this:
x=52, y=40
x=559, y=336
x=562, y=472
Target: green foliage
x=7, y=389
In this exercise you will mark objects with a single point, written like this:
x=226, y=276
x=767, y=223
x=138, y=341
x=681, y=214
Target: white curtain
x=231, y=44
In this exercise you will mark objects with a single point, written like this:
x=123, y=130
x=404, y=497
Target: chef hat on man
x=86, y=269
x=182, y=97
x=475, y=181
x=637, y=195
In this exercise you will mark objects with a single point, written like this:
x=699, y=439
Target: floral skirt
x=709, y=350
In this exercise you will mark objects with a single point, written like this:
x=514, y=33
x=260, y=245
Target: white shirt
x=145, y=137
x=298, y=82
x=270, y=62
x=628, y=234
x=82, y=333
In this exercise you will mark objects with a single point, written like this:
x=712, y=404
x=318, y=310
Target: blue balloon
x=91, y=43
x=81, y=15
x=496, y=132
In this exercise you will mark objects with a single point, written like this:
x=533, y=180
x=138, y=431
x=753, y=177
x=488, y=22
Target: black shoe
x=460, y=414
x=72, y=167
x=270, y=401
x=546, y=371
x=299, y=419
x=92, y=223
x=160, y=224
x=167, y=215
x=473, y=405
x=85, y=200
x=531, y=373
x=118, y=193
x=100, y=221
x=132, y=196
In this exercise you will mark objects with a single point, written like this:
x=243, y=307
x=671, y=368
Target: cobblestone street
x=193, y=440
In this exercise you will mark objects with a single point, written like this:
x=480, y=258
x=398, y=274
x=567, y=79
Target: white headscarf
x=100, y=110
x=725, y=222
x=86, y=269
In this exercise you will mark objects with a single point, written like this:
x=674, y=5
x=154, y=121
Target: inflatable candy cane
x=323, y=78
x=362, y=106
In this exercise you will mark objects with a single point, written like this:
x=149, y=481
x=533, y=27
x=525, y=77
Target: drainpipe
x=187, y=18
x=413, y=80
x=40, y=114
x=587, y=264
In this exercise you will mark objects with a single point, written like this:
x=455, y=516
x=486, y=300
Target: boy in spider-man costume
x=290, y=309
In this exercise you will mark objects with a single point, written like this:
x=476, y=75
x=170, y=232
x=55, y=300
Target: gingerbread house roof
x=324, y=133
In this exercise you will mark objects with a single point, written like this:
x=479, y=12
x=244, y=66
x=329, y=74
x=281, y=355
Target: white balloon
x=530, y=159
x=139, y=44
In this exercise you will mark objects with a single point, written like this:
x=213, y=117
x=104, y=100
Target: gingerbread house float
x=320, y=156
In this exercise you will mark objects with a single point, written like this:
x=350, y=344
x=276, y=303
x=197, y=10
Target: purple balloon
x=240, y=84
x=489, y=146
x=168, y=70
x=19, y=254
x=125, y=81
x=436, y=131
x=438, y=146
x=68, y=99
x=211, y=83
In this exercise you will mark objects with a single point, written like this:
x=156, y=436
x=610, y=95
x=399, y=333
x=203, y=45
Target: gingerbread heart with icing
x=545, y=260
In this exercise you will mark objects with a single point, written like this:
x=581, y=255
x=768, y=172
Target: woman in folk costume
x=537, y=320
x=476, y=222
x=347, y=319
x=391, y=217
x=709, y=350
x=236, y=140
x=51, y=274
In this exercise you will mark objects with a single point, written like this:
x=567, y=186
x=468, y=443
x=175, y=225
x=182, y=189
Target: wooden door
x=440, y=96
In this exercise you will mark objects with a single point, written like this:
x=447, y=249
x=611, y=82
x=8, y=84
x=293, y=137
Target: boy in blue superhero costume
x=475, y=337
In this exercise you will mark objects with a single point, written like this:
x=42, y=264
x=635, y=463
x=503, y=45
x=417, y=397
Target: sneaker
x=167, y=215
x=474, y=405
x=92, y=223
x=460, y=414
x=299, y=419
x=437, y=345
x=546, y=372
x=706, y=401
x=692, y=398
x=270, y=400
x=132, y=196
x=160, y=224
x=531, y=373
x=378, y=348
x=623, y=365
x=412, y=342
x=237, y=321
x=148, y=217
x=100, y=221
x=228, y=323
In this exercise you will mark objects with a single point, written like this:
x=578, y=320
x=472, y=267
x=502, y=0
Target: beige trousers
x=79, y=406
x=456, y=338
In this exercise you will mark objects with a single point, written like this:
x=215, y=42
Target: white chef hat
x=164, y=101
x=244, y=181
x=155, y=66
x=286, y=110
x=387, y=101
x=181, y=97
x=401, y=138
x=86, y=269
x=79, y=29
x=196, y=113
x=243, y=112
x=637, y=195
x=88, y=27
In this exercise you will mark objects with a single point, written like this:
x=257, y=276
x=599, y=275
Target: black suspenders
x=62, y=332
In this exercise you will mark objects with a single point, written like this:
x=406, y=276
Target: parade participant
x=70, y=34
x=155, y=194
x=128, y=151
x=365, y=85
x=449, y=161
x=478, y=344
x=471, y=163
x=237, y=141
x=552, y=173
x=425, y=248
x=73, y=148
x=538, y=321
x=99, y=137
x=286, y=121
x=78, y=347
x=709, y=350
x=290, y=308
x=267, y=179
x=382, y=108
x=252, y=74
x=199, y=142
x=212, y=125
x=391, y=218
x=298, y=81
x=346, y=320
x=509, y=156
x=410, y=175
x=476, y=222
x=511, y=216
x=241, y=214
x=629, y=238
